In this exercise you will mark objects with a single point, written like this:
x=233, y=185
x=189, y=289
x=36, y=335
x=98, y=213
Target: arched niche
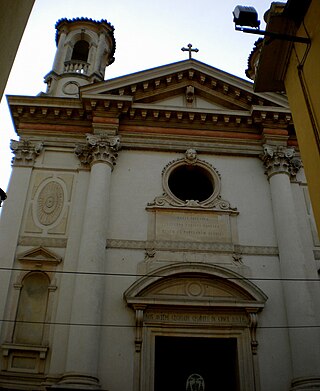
x=195, y=300
x=26, y=337
x=32, y=308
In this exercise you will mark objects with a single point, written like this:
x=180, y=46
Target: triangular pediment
x=187, y=84
x=39, y=255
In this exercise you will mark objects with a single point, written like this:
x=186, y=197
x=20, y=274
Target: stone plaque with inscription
x=192, y=226
x=212, y=319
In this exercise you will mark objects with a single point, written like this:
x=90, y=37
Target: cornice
x=25, y=109
x=47, y=111
x=190, y=69
x=106, y=103
x=149, y=89
x=125, y=108
x=43, y=101
x=279, y=116
x=143, y=83
x=148, y=126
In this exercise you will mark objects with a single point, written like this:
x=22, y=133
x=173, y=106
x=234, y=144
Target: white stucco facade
x=114, y=277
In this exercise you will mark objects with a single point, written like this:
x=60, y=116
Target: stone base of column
x=76, y=381
x=305, y=383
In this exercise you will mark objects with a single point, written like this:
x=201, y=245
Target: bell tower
x=85, y=47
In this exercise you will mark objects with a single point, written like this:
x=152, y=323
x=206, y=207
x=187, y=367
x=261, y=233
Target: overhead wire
x=157, y=323
x=159, y=276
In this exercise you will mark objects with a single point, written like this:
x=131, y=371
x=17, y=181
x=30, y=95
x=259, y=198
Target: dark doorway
x=211, y=363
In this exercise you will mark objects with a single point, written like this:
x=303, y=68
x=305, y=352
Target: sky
x=148, y=33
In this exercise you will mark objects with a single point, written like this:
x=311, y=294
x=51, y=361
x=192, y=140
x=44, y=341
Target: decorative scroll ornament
x=169, y=200
x=253, y=316
x=98, y=148
x=280, y=160
x=139, y=326
x=25, y=152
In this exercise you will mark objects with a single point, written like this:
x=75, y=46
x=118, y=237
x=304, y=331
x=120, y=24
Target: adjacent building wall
x=14, y=17
x=302, y=82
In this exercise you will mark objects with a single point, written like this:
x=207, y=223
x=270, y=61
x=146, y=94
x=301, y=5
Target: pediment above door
x=193, y=285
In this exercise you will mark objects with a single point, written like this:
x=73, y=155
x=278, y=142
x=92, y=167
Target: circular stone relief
x=71, y=88
x=194, y=289
x=50, y=203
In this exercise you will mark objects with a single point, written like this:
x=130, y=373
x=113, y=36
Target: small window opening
x=80, y=51
x=191, y=183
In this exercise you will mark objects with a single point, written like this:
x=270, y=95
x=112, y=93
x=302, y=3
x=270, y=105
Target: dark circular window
x=190, y=182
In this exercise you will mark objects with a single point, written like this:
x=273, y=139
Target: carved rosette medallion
x=98, y=149
x=25, y=152
x=50, y=203
x=280, y=160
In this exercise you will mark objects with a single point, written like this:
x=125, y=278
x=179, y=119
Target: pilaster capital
x=279, y=159
x=99, y=148
x=25, y=152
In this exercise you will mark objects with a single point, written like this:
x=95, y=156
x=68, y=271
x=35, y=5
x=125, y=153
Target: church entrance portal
x=195, y=364
x=195, y=321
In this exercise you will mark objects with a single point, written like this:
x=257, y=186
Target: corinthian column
x=100, y=152
x=281, y=164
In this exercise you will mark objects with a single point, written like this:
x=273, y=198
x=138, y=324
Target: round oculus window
x=191, y=182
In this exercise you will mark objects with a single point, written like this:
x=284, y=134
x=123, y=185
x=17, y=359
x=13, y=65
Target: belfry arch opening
x=80, y=51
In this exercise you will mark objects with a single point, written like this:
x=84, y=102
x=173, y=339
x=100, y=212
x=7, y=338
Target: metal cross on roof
x=190, y=50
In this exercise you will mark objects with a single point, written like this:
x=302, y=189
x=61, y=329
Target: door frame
x=244, y=355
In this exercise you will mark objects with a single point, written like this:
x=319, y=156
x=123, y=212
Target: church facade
x=157, y=234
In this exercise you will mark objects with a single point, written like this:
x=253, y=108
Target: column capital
x=25, y=152
x=99, y=148
x=280, y=159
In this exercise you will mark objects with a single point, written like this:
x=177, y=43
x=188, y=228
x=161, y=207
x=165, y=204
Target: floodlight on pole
x=245, y=16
